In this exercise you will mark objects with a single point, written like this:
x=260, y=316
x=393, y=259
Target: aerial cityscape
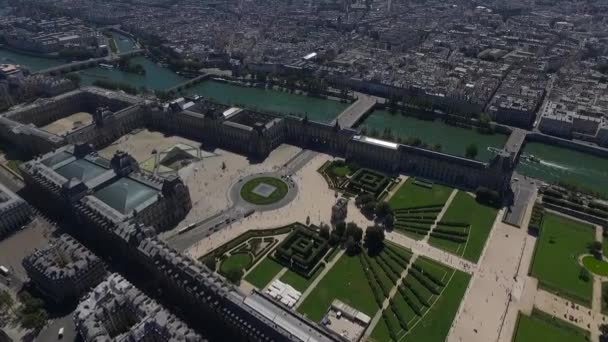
x=304, y=171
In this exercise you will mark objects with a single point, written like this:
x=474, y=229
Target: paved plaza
x=69, y=123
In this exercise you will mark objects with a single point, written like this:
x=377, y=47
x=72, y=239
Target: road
x=351, y=115
x=236, y=212
x=50, y=332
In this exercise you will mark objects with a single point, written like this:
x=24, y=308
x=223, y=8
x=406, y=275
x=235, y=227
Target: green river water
x=156, y=77
x=31, y=62
x=555, y=164
x=124, y=43
x=453, y=140
x=270, y=100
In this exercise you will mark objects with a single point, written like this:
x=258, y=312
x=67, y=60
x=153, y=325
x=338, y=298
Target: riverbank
x=268, y=100
x=435, y=133
x=33, y=63
x=554, y=164
x=51, y=55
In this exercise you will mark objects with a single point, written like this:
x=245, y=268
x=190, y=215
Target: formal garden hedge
x=416, y=222
x=301, y=251
x=336, y=173
x=370, y=181
x=536, y=221
x=246, y=254
x=352, y=180
x=249, y=234
x=424, y=282
x=575, y=206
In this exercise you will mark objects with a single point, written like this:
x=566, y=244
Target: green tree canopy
x=355, y=232
x=374, y=237
x=471, y=151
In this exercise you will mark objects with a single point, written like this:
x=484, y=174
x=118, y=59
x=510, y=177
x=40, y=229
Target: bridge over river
x=79, y=65
x=351, y=115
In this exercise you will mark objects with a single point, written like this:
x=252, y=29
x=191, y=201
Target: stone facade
x=559, y=120
x=202, y=294
x=117, y=311
x=95, y=193
x=64, y=270
x=76, y=177
x=252, y=133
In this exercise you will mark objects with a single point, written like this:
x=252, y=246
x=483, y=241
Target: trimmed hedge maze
x=336, y=173
x=352, y=180
x=239, y=240
x=246, y=254
x=245, y=250
x=301, y=251
x=366, y=180
x=416, y=222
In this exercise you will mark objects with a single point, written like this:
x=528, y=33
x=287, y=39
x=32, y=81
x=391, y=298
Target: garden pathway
x=278, y=276
x=385, y=304
x=596, y=301
x=491, y=288
x=396, y=187
x=524, y=290
x=440, y=216
x=424, y=249
x=315, y=282
x=575, y=314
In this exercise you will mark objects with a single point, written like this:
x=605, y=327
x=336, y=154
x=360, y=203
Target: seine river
x=555, y=163
x=270, y=100
x=453, y=140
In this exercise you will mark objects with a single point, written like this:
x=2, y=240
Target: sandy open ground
x=69, y=123
x=210, y=185
x=314, y=200
x=141, y=144
x=485, y=303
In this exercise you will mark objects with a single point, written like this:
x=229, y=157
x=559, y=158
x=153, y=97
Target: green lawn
x=299, y=282
x=340, y=171
x=436, y=323
x=263, y=273
x=412, y=195
x=464, y=208
x=380, y=333
x=347, y=282
x=555, y=263
x=248, y=195
x=542, y=327
x=239, y=261
x=596, y=266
